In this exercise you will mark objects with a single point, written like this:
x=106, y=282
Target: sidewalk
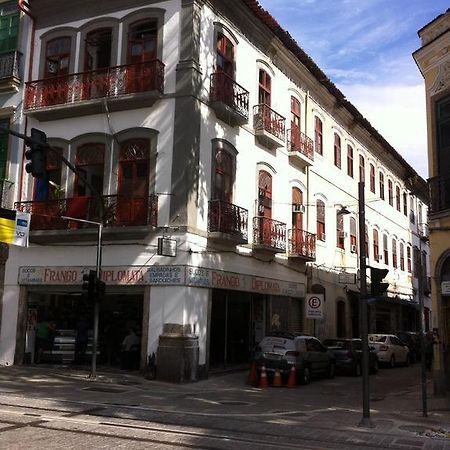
x=321, y=406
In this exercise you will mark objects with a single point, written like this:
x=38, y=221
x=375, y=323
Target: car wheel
x=357, y=370
x=305, y=376
x=331, y=370
x=392, y=362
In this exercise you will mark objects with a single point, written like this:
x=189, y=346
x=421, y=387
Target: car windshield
x=276, y=344
x=345, y=345
x=377, y=338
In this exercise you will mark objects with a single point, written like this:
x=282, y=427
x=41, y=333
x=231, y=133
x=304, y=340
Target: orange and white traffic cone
x=292, y=380
x=263, y=383
x=252, y=379
x=277, y=381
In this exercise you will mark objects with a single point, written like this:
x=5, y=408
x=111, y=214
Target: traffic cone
x=277, y=381
x=252, y=376
x=263, y=383
x=292, y=380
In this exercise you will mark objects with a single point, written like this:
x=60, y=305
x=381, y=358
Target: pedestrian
x=81, y=340
x=130, y=350
x=429, y=349
x=45, y=333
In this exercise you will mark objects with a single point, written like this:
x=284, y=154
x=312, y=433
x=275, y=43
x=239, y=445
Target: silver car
x=281, y=351
x=390, y=350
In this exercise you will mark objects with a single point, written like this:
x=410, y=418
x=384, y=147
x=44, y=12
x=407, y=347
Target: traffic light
x=37, y=154
x=377, y=287
x=90, y=284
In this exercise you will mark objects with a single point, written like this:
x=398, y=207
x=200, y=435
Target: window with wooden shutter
x=394, y=253
x=265, y=88
x=337, y=150
x=353, y=240
x=402, y=256
x=318, y=136
x=350, y=161
x=397, y=198
x=340, y=237
x=376, y=247
x=9, y=30
x=372, y=178
x=385, y=249
x=362, y=168
x=320, y=220
x=390, y=193
x=381, y=185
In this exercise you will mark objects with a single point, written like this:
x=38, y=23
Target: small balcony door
x=223, y=179
x=265, y=206
x=133, y=188
x=295, y=123
x=297, y=219
x=57, y=64
x=142, y=48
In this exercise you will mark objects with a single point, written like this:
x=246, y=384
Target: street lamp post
x=98, y=266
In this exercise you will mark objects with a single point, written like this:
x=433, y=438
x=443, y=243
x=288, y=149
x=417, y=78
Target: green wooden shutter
x=9, y=29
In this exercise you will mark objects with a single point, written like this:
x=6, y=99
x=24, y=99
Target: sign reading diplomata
x=314, y=306
x=163, y=276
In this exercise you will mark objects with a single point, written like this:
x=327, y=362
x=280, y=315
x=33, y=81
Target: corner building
x=205, y=124
x=433, y=60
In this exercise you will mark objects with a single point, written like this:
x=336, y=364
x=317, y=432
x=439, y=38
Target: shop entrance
x=59, y=329
x=237, y=321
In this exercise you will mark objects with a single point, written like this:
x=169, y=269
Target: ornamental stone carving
x=443, y=79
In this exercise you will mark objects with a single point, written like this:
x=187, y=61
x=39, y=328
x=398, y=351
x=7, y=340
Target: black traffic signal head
x=37, y=154
x=89, y=284
x=377, y=287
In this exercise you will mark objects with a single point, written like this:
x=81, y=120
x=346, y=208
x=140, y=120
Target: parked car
x=279, y=350
x=390, y=350
x=412, y=340
x=348, y=353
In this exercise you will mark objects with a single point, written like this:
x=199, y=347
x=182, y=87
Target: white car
x=390, y=349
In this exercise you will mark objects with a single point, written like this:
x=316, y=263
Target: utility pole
x=365, y=421
x=423, y=367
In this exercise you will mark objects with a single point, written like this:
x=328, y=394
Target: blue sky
x=365, y=47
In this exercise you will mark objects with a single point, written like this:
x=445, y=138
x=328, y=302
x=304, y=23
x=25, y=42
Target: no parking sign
x=314, y=306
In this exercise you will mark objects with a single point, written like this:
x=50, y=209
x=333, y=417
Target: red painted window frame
x=372, y=178
x=350, y=161
x=337, y=150
x=318, y=135
x=265, y=88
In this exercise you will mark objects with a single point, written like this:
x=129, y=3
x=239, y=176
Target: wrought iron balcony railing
x=439, y=189
x=266, y=119
x=269, y=233
x=225, y=90
x=227, y=218
x=119, y=211
x=108, y=82
x=301, y=243
x=10, y=65
x=299, y=142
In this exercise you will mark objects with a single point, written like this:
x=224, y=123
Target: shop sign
x=163, y=276
x=314, y=306
x=445, y=287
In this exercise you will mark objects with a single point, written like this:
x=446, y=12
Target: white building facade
x=203, y=123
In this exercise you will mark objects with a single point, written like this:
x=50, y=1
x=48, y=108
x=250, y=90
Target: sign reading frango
x=163, y=276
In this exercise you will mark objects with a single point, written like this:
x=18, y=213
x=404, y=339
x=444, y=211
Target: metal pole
x=365, y=421
x=423, y=367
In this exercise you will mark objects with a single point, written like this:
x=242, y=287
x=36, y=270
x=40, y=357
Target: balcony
x=228, y=99
x=119, y=211
x=10, y=76
x=269, y=235
x=300, y=148
x=439, y=189
x=269, y=126
x=301, y=244
x=227, y=222
x=127, y=86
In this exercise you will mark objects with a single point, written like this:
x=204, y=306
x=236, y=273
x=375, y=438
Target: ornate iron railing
x=225, y=90
x=108, y=82
x=119, y=210
x=299, y=142
x=227, y=218
x=301, y=243
x=269, y=232
x=265, y=118
x=439, y=190
x=10, y=64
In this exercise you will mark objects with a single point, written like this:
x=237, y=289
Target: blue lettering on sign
x=22, y=222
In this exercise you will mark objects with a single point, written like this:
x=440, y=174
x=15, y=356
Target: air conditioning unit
x=322, y=236
x=298, y=208
x=353, y=248
x=342, y=234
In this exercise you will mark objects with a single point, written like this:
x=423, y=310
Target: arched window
x=394, y=253
x=362, y=168
x=408, y=259
x=397, y=198
x=337, y=150
x=405, y=204
x=385, y=249
x=265, y=194
x=265, y=88
x=381, y=185
x=225, y=55
x=320, y=220
x=98, y=49
x=390, y=193
x=340, y=236
x=353, y=241
x=89, y=162
x=350, y=161
x=224, y=176
x=366, y=241
x=372, y=178
x=318, y=135
x=295, y=123
x=57, y=57
x=50, y=188
x=376, y=246
x=142, y=41
x=402, y=256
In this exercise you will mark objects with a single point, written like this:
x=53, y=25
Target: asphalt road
x=42, y=408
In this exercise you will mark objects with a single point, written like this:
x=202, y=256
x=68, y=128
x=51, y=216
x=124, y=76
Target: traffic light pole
x=365, y=421
x=98, y=269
